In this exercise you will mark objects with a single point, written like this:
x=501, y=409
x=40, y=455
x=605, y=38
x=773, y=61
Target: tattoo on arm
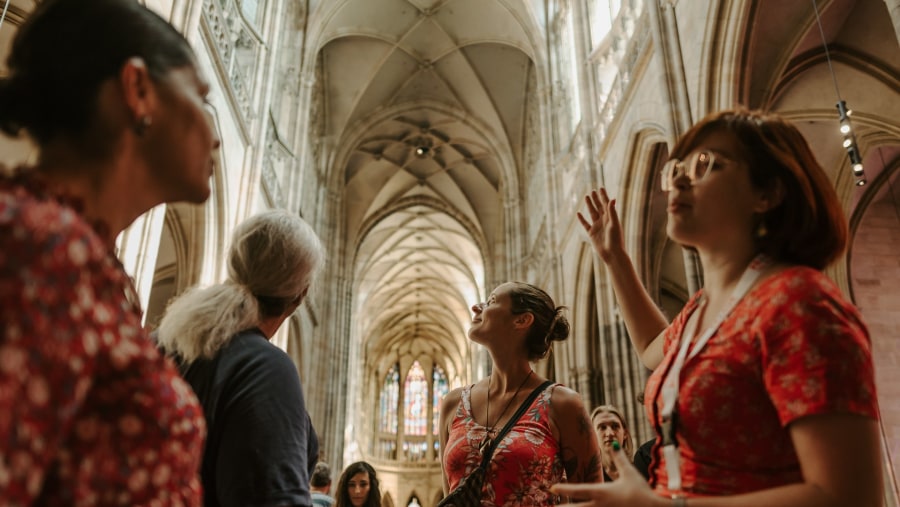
x=570, y=463
x=584, y=426
x=588, y=470
x=588, y=467
x=592, y=470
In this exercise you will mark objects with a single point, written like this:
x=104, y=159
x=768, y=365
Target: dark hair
x=66, y=49
x=549, y=325
x=342, y=495
x=807, y=226
x=321, y=476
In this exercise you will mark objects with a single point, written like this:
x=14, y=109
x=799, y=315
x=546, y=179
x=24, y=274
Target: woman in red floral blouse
x=552, y=440
x=763, y=388
x=90, y=413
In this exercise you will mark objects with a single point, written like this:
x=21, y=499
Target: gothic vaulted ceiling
x=424, y=103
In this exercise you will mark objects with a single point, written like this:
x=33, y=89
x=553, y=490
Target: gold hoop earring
x=761, y=230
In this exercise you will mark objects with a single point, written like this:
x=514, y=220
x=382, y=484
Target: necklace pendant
x=485, y=442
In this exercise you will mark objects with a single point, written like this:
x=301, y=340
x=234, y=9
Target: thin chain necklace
x=487, y=418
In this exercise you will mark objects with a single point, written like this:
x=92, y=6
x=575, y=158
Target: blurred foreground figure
x=763, y=389
x=90, y=412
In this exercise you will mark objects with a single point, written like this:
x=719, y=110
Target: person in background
x=517, y=325
x=90, y=412
x=643, y=456
x=262, y=447
x=610, y=426
x=320, y=485
x=763, y=389
x=358, y=487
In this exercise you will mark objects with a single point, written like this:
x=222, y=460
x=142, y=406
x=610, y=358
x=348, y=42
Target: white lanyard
x=671, y=383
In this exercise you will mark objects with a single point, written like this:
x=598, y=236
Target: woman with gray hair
x=261, y=447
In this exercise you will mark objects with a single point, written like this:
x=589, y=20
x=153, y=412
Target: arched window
x=416, y=397
x=601, y=13
x=252, y=10
x=390, y=397
x=407, y=421
x=438, y=390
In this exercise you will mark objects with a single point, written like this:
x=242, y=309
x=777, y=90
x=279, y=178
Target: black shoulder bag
x=468, y=491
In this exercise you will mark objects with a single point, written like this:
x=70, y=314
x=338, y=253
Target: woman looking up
x=763, y=389
x=90, y=412
x=517, y=325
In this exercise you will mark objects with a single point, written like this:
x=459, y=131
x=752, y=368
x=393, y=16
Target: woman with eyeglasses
x=553, y=439
x=261, y=448
x=763, y=388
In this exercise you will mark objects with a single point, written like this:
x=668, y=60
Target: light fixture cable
x=3, y=16
x=849, y=143
x=837, y=91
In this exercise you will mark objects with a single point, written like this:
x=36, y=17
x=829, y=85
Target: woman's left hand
x=629, y=490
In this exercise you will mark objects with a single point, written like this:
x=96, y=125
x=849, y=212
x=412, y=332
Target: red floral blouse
x=90, y=413
x=525, y=463
x=791, y=348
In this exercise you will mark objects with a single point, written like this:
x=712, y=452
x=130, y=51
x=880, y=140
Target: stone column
x=667, y=39
x=585, y=82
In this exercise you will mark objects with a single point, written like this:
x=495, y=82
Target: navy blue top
x=261, y=447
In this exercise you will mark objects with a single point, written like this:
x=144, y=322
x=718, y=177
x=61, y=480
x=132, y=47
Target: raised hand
x=603, y=227
x=629, y=490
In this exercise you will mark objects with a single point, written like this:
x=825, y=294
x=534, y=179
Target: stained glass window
x=390, y=397
x=416, y=398
x=415, y=451
x=388, y=448
x=439, y=389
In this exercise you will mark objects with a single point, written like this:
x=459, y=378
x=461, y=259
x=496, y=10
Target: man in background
x=320, y=485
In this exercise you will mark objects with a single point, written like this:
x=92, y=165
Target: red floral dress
x=525, y=463
x=90, y=413
x=791, y=348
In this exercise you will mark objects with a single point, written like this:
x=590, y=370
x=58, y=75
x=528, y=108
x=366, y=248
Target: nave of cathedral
x=442, y=147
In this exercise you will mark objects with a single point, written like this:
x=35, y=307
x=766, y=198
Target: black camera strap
x=489, y=451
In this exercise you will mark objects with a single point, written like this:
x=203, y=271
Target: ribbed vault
x=418, y=270
x=424, y=105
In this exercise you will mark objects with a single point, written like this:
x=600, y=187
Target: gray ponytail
x=201, y=321
x=272, y=261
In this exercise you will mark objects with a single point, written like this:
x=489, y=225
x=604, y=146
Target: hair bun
x=559, y=327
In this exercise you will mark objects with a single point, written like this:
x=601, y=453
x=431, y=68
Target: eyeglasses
x=696, y=166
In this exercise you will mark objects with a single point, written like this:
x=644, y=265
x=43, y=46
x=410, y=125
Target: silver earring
x=143, y=124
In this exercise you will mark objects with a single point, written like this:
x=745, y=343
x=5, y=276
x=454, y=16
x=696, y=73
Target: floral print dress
x=525, y=463
x=90, y=413
x=791, y=348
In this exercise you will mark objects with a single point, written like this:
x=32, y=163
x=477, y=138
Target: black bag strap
x=489, y=452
